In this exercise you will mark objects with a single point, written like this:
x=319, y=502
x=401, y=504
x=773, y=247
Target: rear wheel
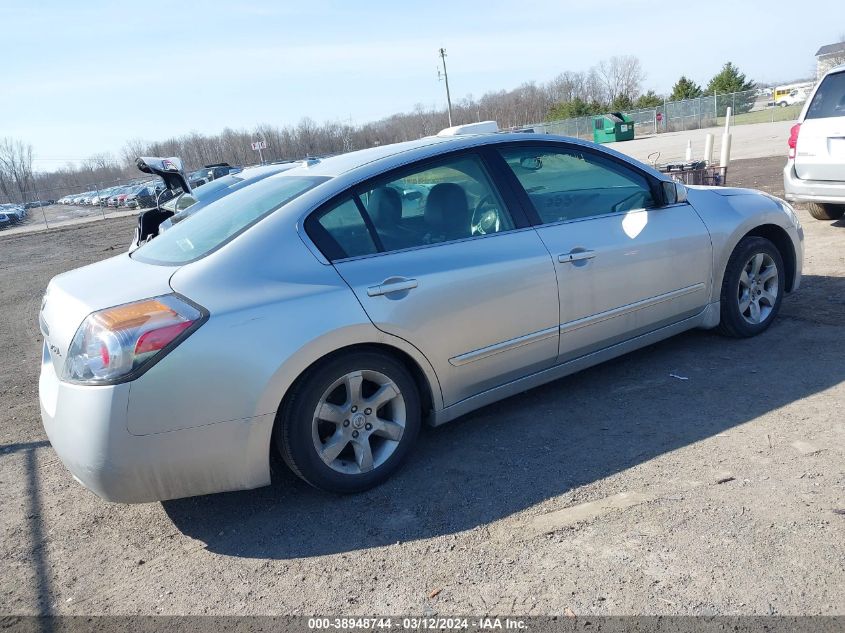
x=752, y=288
x=826, y=211
x=349, y=422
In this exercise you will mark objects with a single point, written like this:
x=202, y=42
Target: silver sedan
x=328, y=311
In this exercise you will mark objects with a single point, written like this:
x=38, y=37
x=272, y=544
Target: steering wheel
x=485, y=216
x=619, y=205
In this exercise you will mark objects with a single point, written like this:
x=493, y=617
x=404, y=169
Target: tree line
x=614, y=84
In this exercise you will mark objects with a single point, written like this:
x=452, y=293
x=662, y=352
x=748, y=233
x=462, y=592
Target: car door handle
x=394, y=285
x=575, y=256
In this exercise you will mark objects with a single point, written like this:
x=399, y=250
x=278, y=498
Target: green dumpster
x=615, y=126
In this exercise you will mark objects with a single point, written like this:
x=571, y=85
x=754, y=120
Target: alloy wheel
x=758, y=288
x=359, y=422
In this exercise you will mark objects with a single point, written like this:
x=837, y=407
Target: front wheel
x=826, y=211
x=349, y=422
x=752, y=288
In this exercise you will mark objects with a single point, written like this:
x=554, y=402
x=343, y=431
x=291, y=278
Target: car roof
x=385, y=157
x=259, y=171
x=342, y=163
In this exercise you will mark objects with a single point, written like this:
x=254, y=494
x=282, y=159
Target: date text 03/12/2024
x=416, y=624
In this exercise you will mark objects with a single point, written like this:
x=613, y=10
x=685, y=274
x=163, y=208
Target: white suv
x=815, y=170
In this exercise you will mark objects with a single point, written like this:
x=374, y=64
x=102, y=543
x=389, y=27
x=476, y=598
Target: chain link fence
x=51, y=207
x=752, y=106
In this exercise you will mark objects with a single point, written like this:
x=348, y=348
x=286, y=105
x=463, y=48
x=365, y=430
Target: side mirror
x=168, y=169
x=673, y=192
x=412, y=195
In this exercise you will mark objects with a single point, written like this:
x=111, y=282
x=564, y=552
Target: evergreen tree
x=685, y=89
x=648, y=100
x=725, y=84
x=729, y=79
x=621, y=103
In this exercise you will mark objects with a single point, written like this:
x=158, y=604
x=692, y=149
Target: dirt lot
x=620, y=490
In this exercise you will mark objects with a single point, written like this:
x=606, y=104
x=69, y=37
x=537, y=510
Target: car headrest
x=447, y=211
x=385, y=207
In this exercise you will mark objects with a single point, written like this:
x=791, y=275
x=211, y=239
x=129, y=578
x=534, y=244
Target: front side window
x=201, y=233
x=829, y=99
x=450, y=200
x=568, y=184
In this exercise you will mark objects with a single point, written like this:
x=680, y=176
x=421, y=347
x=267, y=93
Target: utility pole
x=446, y=78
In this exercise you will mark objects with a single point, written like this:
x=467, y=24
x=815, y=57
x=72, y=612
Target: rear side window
x=829, y=99
x=349, y=234
x=433, y=203
x=453, y=199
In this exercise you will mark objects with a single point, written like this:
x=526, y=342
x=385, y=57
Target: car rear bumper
x=823, y=191
x=87, y=427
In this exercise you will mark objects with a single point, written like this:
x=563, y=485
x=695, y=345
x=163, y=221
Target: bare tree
x=837, y=59
x=15, y=169
x=528, y=103
x=621, y=76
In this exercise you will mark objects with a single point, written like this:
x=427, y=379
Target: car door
x=820, y=148
x=625, y=264
x=436, y=257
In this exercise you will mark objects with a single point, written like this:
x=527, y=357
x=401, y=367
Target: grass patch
x=789, y=113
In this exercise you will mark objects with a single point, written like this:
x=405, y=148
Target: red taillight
x=113, y=343
x=793, y=139
x=154, y=340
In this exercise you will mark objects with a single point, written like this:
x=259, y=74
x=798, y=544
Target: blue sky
x=80, y=78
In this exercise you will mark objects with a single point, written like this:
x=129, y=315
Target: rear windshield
x=222, y=219
x=829, y=99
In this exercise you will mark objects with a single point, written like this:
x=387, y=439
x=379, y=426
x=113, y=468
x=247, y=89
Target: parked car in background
x=112, y=201
x=325, y=314
x=144, y=196
x=14, y=213
x=99, y=199
x=815, y=167
x=790, y=94
x=216, y=170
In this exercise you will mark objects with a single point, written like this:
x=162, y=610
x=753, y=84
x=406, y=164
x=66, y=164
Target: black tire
x=732, y=322
x=293, y=428
x=826, y=211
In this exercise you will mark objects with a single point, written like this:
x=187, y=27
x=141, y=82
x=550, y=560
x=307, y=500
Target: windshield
x=221, y=220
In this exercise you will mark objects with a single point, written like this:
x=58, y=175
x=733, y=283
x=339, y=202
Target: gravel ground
x=747, y=141
x=620, y=490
